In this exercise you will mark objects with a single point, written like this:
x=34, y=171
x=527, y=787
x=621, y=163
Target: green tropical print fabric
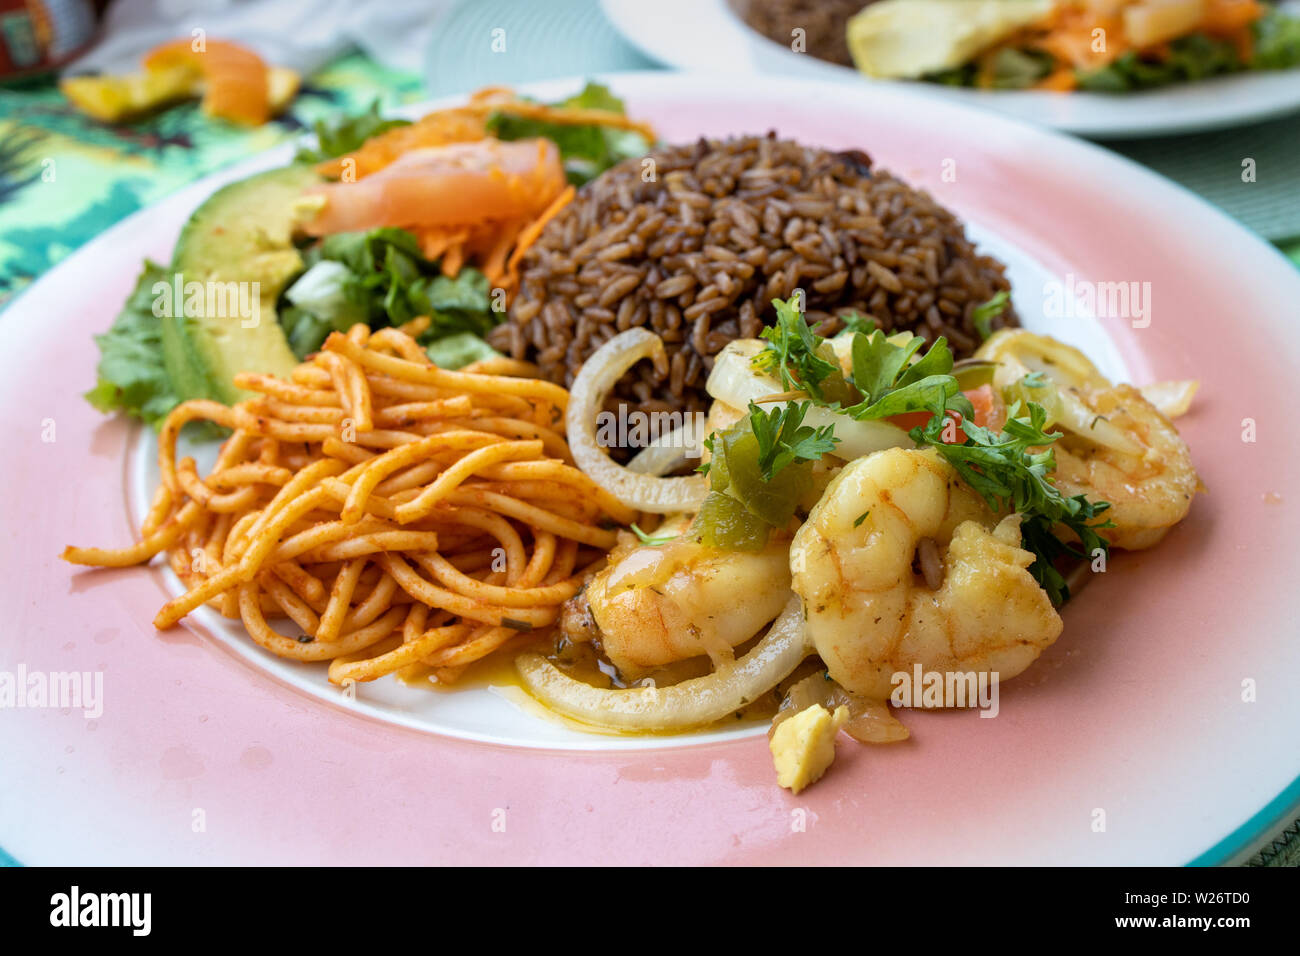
x=65, y=178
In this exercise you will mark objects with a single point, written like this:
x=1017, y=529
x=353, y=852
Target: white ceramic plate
x=1137, y=710
x=708, y=36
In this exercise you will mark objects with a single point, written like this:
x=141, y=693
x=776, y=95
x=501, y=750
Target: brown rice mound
x=824, y=24
x=698, y=252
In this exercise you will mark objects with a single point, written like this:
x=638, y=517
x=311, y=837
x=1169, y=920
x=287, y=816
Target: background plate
x=706, y=35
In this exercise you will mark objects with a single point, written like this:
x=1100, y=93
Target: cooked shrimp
x=1150, y=489
x=1116, y=445
x=679, y=600
x=870, y=616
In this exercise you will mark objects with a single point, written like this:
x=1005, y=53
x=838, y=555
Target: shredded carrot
x=1228, y=17
x=1070, y=37
x=534, y=229
x=452, y=260
x=467, y=124
x=495, y=246
x=494, y=261
x=1244, y=43
x=1061, y=80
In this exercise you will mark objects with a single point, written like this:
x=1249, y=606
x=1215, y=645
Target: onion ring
x=692, y=703
x=586, y=399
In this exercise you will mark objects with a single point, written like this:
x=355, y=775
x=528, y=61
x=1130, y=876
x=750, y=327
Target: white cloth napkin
x=302, y=34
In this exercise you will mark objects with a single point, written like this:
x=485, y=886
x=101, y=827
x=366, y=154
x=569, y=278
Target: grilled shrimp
x=658, y=605
x=870, y=615
x=1149, y=487
x=1116, y=445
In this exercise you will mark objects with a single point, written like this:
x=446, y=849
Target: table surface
x=65, y=178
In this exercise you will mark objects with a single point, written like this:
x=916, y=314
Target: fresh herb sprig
x=1010, y=468
x=892, y=384
x=885, y=380
x=652, y=540
x=795, y=353
x=783, y=439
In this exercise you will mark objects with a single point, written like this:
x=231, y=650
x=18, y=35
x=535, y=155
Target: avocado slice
x=219, y=324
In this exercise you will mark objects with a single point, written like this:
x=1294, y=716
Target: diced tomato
x=985, y=401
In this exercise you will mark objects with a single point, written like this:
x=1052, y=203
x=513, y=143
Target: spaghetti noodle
x=401, y=517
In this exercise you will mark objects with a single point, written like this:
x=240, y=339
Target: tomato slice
x=983, y=400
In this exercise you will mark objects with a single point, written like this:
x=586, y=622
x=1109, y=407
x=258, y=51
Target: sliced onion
x=692, y=703
x=1171, y=399
x=1019, y=353
x=668, y=452
x=734, y=380
x=586, y=399
x=1063, y=364
x=870, y=721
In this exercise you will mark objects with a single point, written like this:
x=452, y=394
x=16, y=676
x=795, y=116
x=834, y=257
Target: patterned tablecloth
x=64, y=178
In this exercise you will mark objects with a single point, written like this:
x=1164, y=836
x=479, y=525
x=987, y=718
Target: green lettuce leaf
x=587, y=151
x=341, y=134
x=380, y=277
x=459, y=349
x=1277, y=42
x=1193, y=57
x=131, y=375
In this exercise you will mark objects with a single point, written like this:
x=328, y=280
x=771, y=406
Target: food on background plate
x=893, y=475
x=820, y=24
x=1104, y=46
x=234, y=82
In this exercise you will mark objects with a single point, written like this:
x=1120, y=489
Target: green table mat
x=65, y=178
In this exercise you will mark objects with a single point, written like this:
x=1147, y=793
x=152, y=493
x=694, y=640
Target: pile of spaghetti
x=402, y=517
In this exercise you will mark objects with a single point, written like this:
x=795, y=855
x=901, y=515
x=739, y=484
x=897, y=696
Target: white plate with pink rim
x=1137, y=711
x=710, y=36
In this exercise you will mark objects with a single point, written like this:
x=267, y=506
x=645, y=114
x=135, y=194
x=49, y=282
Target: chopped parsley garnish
x=783, y=439
x=797, y=354
x=984, y=314
x=892, y=384
x=652, y=540
x=1010, y=469
x=1011, y=476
